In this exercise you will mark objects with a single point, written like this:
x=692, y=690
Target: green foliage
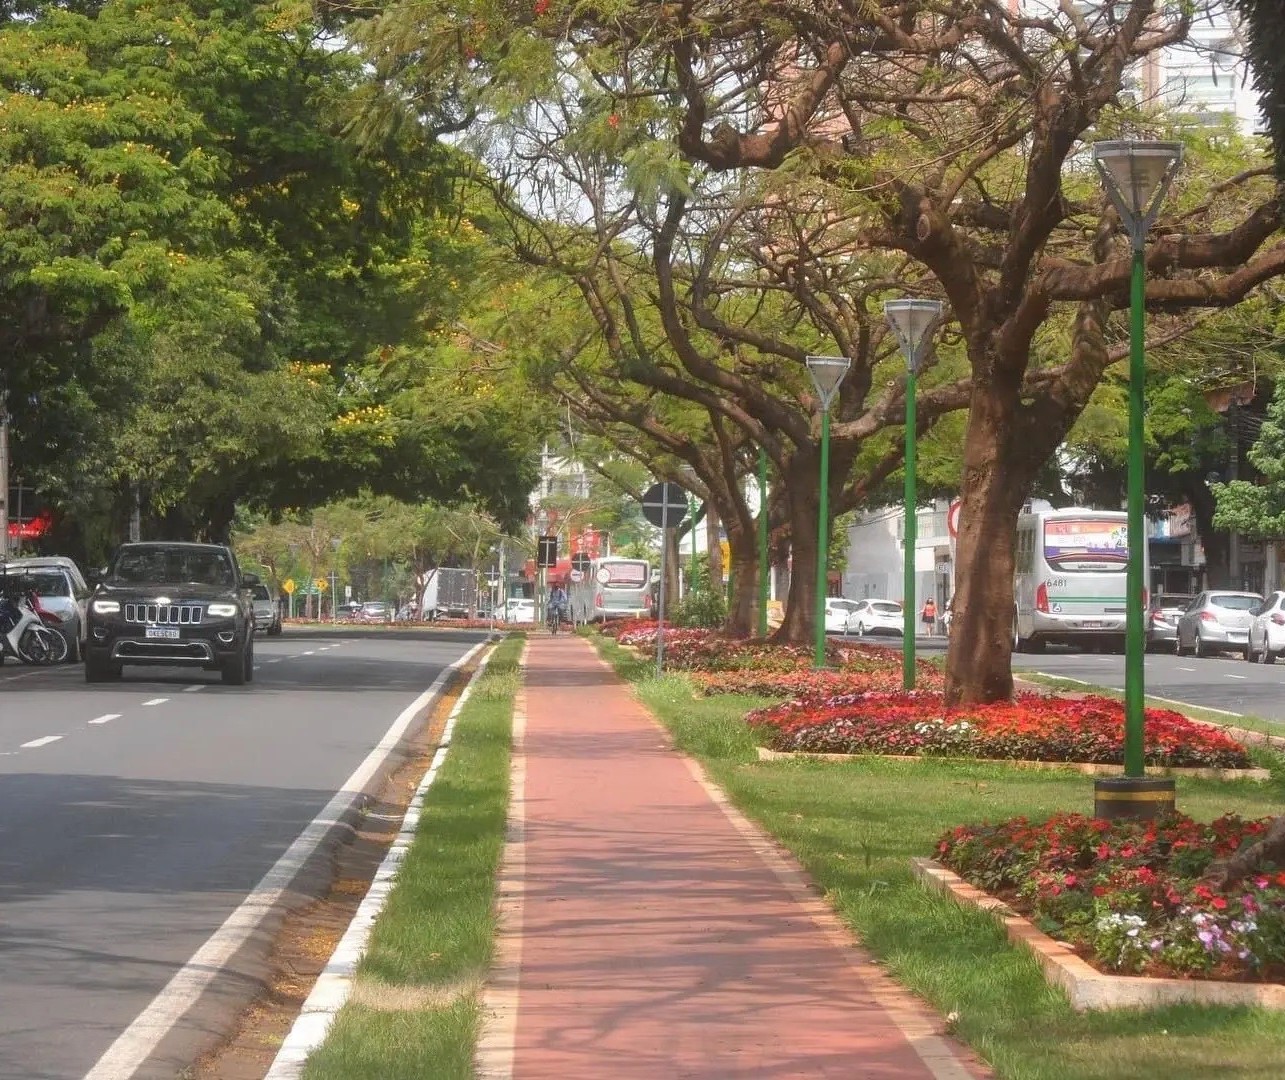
x=701, y=608
x=1258, y=510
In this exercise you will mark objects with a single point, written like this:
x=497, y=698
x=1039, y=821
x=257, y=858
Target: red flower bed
x=813, y=685
x=1128, y=895
x=618, y=628
x=1033, y=728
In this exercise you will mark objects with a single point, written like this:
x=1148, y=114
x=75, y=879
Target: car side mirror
x=248, y=580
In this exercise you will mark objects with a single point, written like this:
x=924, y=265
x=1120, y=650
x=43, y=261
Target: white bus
x=1070, y=575
x=614, y=588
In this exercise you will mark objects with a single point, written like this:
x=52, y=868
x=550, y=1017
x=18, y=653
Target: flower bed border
x=1087, y=769
x=1085, y=986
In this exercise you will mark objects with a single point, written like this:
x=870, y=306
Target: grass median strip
x=415, y=1007
x=855, y=825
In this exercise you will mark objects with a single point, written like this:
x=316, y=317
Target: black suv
x=179, y=605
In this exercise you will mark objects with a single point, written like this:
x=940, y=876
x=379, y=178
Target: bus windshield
x=1086, y=545
x=624, y=574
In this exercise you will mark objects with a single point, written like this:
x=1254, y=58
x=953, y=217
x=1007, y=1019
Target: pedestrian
x=929, y=616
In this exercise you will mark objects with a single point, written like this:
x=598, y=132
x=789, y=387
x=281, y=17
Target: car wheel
x=73, y=649
x=1248, y=652
x=1267, y=657
x=234, y=669
x=97, y=671
x=1201, y=650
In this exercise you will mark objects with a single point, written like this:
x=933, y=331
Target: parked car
x=876, y=617
x=518, y=609
x=267, y=612
x=1162, y=616
x=1267, y=630
x=62, y=589
x=837, y=611
x=1216, y=621
x=374, y=611
x=348, y=611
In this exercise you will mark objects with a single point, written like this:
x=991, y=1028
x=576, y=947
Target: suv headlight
x=222, y=611
x=106, y=607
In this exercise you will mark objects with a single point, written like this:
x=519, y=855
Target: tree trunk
x=670, y=584
x=997, y=476
x=714, y=548
x=1268, y=849
x=804, y=505
x=742, y=612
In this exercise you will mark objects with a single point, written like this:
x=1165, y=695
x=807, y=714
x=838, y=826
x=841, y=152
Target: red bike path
x=649, y=931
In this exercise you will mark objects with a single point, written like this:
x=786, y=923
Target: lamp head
x=1136, y=174
x=827, y=373
x=913, y=322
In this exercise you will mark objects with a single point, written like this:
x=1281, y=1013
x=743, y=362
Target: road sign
x=952, y=518
x=322, y=584
x=576, y=576
x=665, y=505
x=288, y=585
x=582, y=563
x=547, y=551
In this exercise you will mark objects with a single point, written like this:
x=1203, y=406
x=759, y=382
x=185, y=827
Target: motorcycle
x=23, y=632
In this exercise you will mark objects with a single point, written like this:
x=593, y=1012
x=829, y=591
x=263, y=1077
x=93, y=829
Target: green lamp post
x=913, y=323
x=827, y=373
x=1136, y=176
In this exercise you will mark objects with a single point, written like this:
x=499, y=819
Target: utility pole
x=4, y=475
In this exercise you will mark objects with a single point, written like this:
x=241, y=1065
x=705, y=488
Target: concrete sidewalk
x=650, y=932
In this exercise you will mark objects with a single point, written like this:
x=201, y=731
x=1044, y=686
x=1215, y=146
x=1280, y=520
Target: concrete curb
x=334, y=984
x=1087, y=987
x=766, y=754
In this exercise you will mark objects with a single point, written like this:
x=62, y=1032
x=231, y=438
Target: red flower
x=541, y=6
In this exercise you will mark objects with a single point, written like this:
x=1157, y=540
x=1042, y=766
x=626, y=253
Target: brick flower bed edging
x=1087, y=987
x=766, y=754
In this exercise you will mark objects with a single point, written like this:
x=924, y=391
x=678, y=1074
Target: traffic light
x=547, y=551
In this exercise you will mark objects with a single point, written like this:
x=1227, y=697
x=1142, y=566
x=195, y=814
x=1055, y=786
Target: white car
x=876, y=617
x=837, y=611
x=63, y=591
x=267, y=615
x=519, y=610
x=1267, y=629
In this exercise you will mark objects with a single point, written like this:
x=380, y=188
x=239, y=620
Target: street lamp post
x=763, y=567
x=1136, y=176
x=827, y=373
x=913, y=323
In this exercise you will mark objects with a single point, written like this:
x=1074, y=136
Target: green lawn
x=415, y=1007
x=854, y=826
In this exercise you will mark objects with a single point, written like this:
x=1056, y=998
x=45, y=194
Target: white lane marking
x=1186, y=669
x=334, y=984
x=1193, y=705
x=276, y=661
x=309, y=652
x=1225, y=676
x=137, y=1042
x=105, y=718
x=155, y=701
x=40, y=742
x=193, y=689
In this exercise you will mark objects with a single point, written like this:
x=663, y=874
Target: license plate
x=1090, y=624
x=165, y=633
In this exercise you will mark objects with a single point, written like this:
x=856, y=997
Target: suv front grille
x=163, y=614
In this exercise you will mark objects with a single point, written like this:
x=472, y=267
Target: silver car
x=1163, y=614
x=1216, y=621
x=62, y=589
x=267, y=613
x=1267, y=630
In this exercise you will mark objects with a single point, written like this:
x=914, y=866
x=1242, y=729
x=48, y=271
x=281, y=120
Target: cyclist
x=558, y=605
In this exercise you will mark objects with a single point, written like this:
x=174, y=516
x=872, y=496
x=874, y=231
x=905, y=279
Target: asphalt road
x=135, y=817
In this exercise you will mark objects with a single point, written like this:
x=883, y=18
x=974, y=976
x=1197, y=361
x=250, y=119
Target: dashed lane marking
x=36, y=743
x=105, y=718
x=193, y=689
x=155, y=701
x=310, y=652
x=1226, y=676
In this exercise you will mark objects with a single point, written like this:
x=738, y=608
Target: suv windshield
x=167, y=564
